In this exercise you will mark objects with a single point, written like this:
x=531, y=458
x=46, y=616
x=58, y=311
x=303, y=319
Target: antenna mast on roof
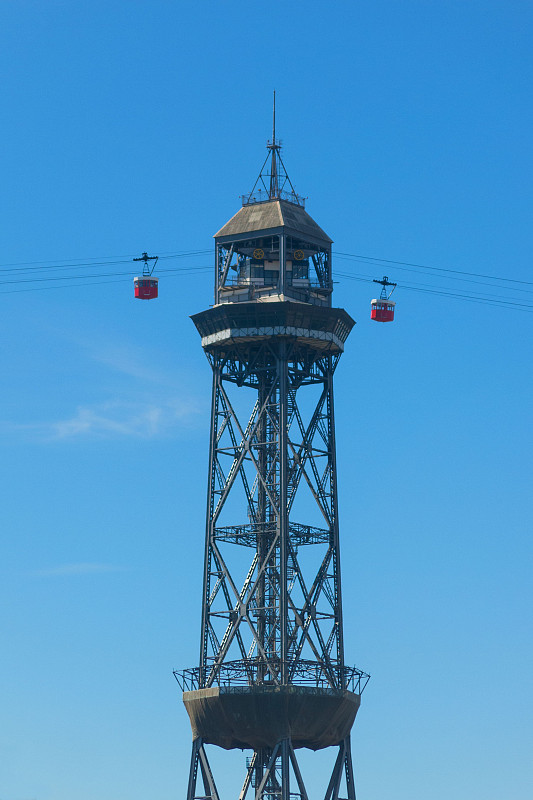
x=274, y=147
x=276, y=184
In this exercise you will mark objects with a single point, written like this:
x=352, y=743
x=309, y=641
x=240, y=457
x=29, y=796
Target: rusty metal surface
x=261, y=716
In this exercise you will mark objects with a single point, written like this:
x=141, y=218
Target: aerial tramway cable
x=497, y=300
x=78, y=274
x=371, y=260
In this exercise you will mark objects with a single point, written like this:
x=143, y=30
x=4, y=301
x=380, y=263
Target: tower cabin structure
x=271, y=677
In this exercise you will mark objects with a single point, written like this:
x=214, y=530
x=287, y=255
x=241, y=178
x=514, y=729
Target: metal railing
x=262, y=196
x=298, y=283
x=255, y=672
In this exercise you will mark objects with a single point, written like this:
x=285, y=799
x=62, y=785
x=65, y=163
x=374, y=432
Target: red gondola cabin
x=145, y=287
x=382, y=310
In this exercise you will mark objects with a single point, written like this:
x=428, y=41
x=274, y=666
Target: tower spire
x=274, y=118
x=274, y=147
x=274, y=184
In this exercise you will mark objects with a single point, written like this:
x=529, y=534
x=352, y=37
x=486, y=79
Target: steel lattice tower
x=271, y=676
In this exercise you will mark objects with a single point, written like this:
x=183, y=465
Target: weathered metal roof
x=272, y=214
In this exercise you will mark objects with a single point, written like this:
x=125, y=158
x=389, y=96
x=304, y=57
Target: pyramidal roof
x=276, y=213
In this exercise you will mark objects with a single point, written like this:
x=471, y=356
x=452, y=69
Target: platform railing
x=255, y=673
x=262, y=196
x=243, y=282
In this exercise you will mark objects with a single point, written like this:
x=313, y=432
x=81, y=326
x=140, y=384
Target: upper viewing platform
x=272, y=250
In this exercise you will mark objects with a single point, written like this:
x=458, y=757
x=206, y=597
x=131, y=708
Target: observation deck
x=238, y=713
x=316, y=327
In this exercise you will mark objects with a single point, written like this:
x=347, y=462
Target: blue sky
x=136, y=126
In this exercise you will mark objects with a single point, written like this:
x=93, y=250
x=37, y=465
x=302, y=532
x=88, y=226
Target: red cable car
x=146, y=285
x=382, y=310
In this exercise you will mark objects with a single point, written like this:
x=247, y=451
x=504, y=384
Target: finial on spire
x=274, y=119
x=275, y=147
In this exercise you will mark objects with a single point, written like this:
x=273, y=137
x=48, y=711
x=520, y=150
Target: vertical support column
x=199, y=760
x=268, y=778
x=285, y=774
x=348, y=766
x=218, y=257
x=283, y=515
x=332, y=792
x=210, y=789
x=191, y=789
x=263, y=541
x=209, y=520
x=263, y=758
x=282, y=264
x=328, y=272
x=332, y=457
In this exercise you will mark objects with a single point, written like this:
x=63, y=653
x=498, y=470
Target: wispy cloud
x=139, y=400
x=79, y=568
x=147, y=419
x=118, y=418
x=133, y=362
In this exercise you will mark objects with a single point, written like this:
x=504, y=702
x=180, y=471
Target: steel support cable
x=70, y=265
x=528, y=307
x=500, y=301
x=373, y=260
x=429, y=287
x=370, y=260
x=98, y=275
x=90, y=283
x=63, y=286
x=442, y=292
x=75, y=263
x=447, y=277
